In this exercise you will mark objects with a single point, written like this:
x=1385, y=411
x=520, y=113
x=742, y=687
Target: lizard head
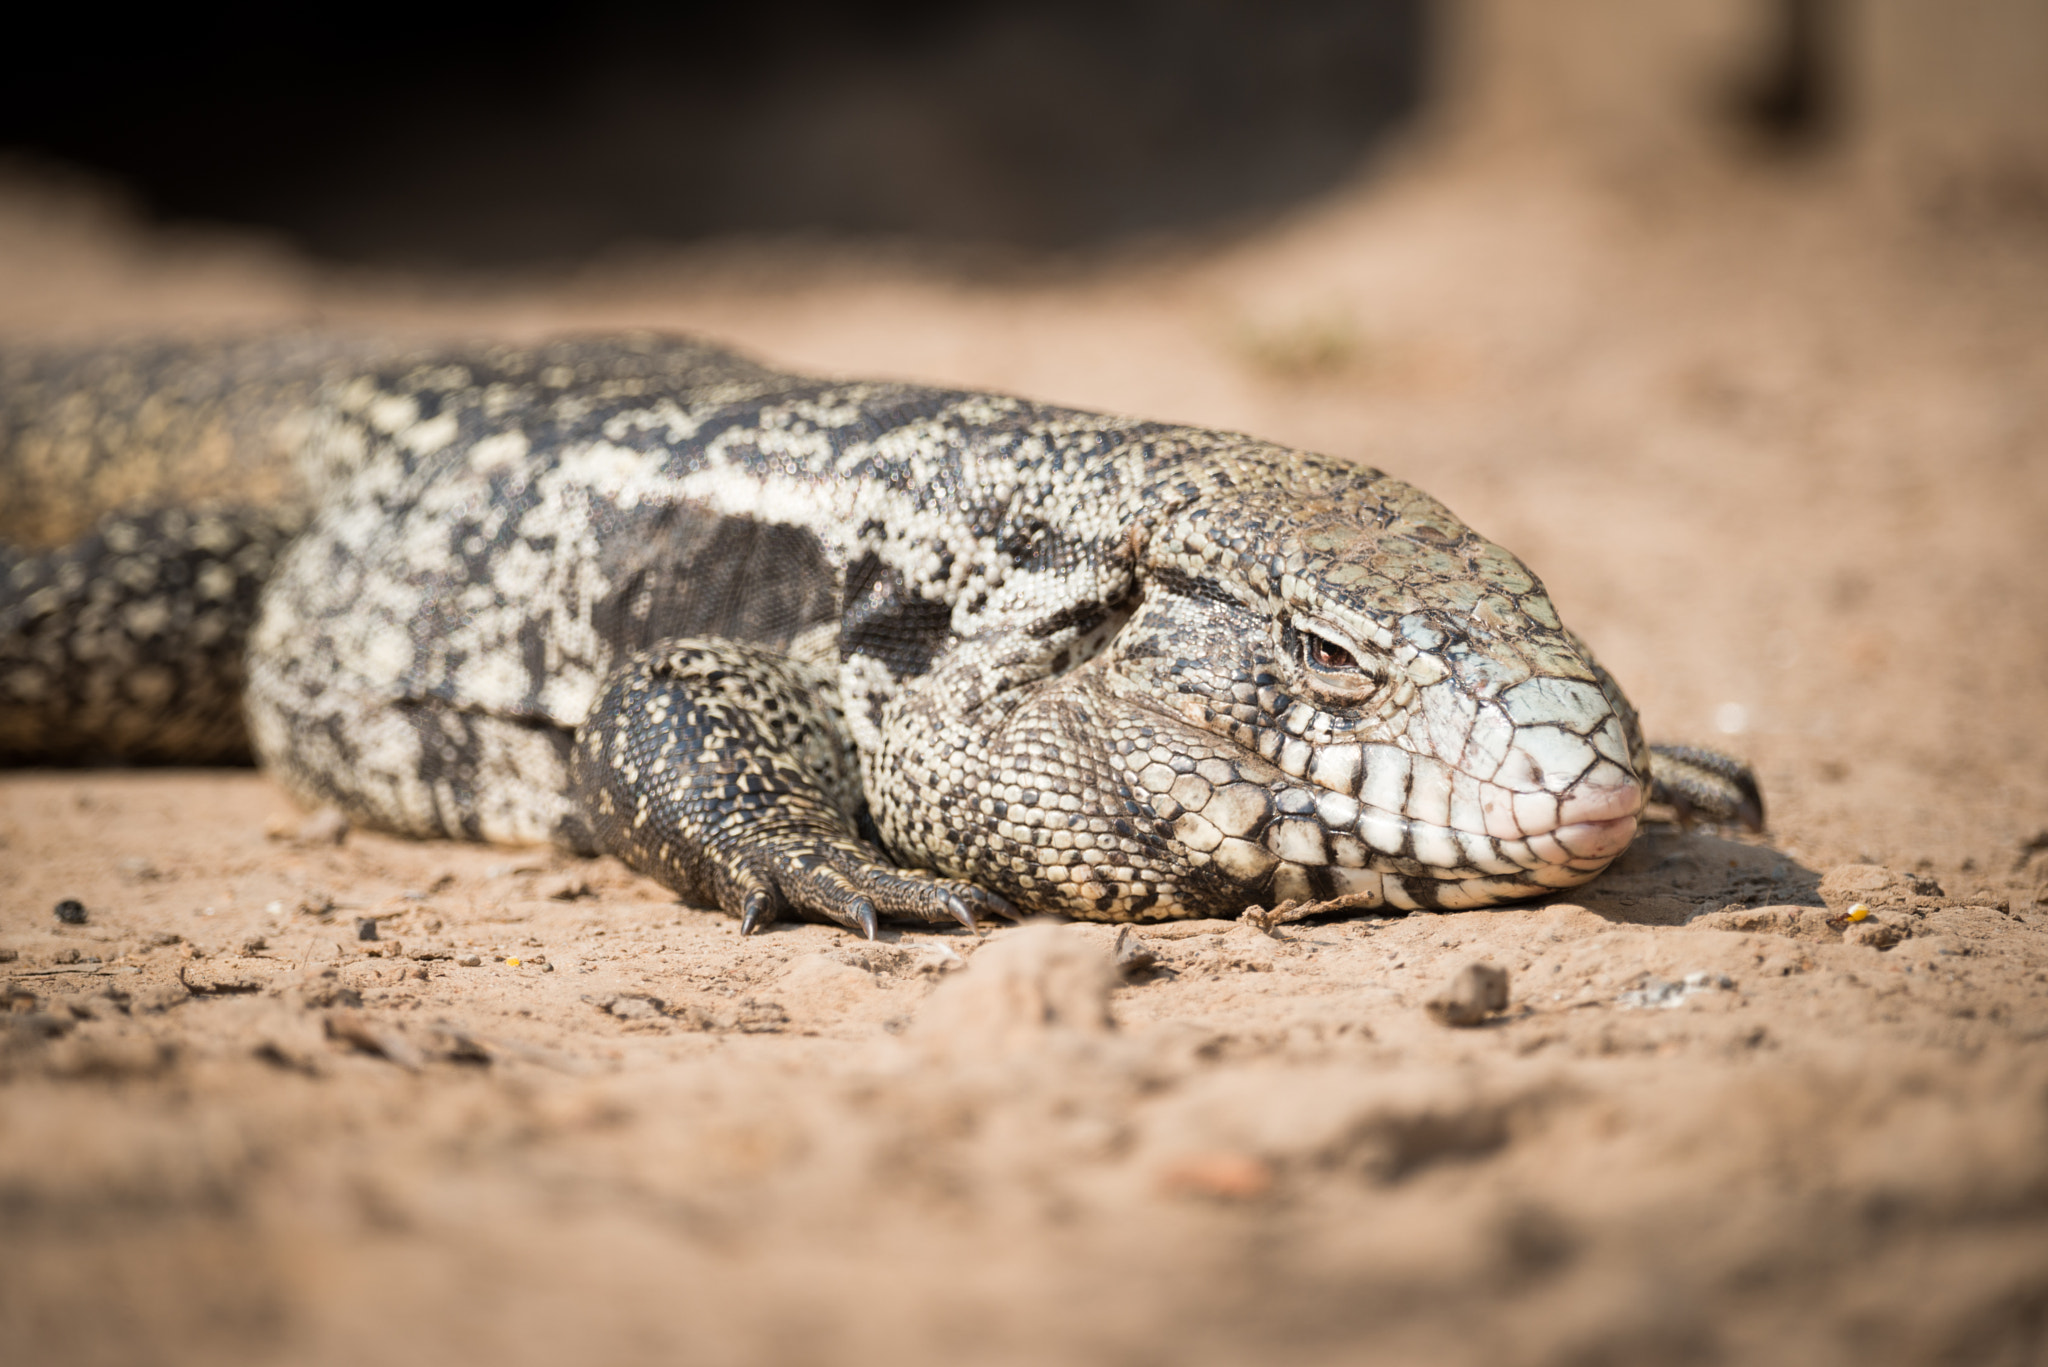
x=1352, y=694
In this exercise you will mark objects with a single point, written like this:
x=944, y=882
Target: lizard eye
x=1324, y=653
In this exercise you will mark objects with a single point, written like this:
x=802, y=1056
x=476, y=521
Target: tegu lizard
x=839, y=650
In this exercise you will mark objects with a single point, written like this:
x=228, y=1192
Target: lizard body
x=846, y=650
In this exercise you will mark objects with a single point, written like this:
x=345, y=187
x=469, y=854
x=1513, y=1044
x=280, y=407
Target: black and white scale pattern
x=849, y=650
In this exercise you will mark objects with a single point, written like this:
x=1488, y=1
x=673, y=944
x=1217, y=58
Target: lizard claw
x=962, y=913
x=966, y=911
x=758, y=911
x=863, y=912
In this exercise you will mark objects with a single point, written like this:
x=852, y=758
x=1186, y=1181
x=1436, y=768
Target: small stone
x=470, y=961
x=1474, y=992
x=1134, y=958
x=71, y=912
x=8, y=956
x=366, y=927
x=255, y=944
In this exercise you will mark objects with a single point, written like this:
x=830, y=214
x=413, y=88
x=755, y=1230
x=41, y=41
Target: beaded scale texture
x=842, y=650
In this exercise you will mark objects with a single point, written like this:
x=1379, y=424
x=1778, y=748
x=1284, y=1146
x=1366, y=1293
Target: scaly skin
x=843, y=650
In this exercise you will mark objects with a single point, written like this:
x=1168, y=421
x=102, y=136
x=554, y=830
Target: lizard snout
x=1598, y=822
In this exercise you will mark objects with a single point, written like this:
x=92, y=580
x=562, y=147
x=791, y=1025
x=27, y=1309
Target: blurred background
x=420, y=135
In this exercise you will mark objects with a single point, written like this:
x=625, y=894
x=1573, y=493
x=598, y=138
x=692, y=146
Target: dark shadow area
x=1670, y=876
x=438, y=135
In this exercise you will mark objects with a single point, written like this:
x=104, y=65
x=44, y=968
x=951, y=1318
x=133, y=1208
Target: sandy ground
x=1781, y=453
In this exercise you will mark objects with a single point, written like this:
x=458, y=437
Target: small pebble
x=71, y=912
x=470, y=961
x=1475, y=992
x=366, y=928
x=511, y=963
x=1134, y=958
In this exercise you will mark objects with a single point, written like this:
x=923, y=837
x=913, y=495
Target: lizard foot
x=851, y=885
x=1705, y=785
x=722, y=771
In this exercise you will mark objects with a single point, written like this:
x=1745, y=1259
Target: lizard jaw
x=1600, y=822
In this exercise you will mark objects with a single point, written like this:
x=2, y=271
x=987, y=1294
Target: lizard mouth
x=1592, y=827
x=1256, y=822
x=1598, y=823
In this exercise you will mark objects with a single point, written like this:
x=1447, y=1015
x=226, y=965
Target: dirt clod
x=71, y=912
x=1018, y=987
x=1879, y=888
x=1880, y=931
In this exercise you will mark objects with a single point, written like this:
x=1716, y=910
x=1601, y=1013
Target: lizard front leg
x=723, y=771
